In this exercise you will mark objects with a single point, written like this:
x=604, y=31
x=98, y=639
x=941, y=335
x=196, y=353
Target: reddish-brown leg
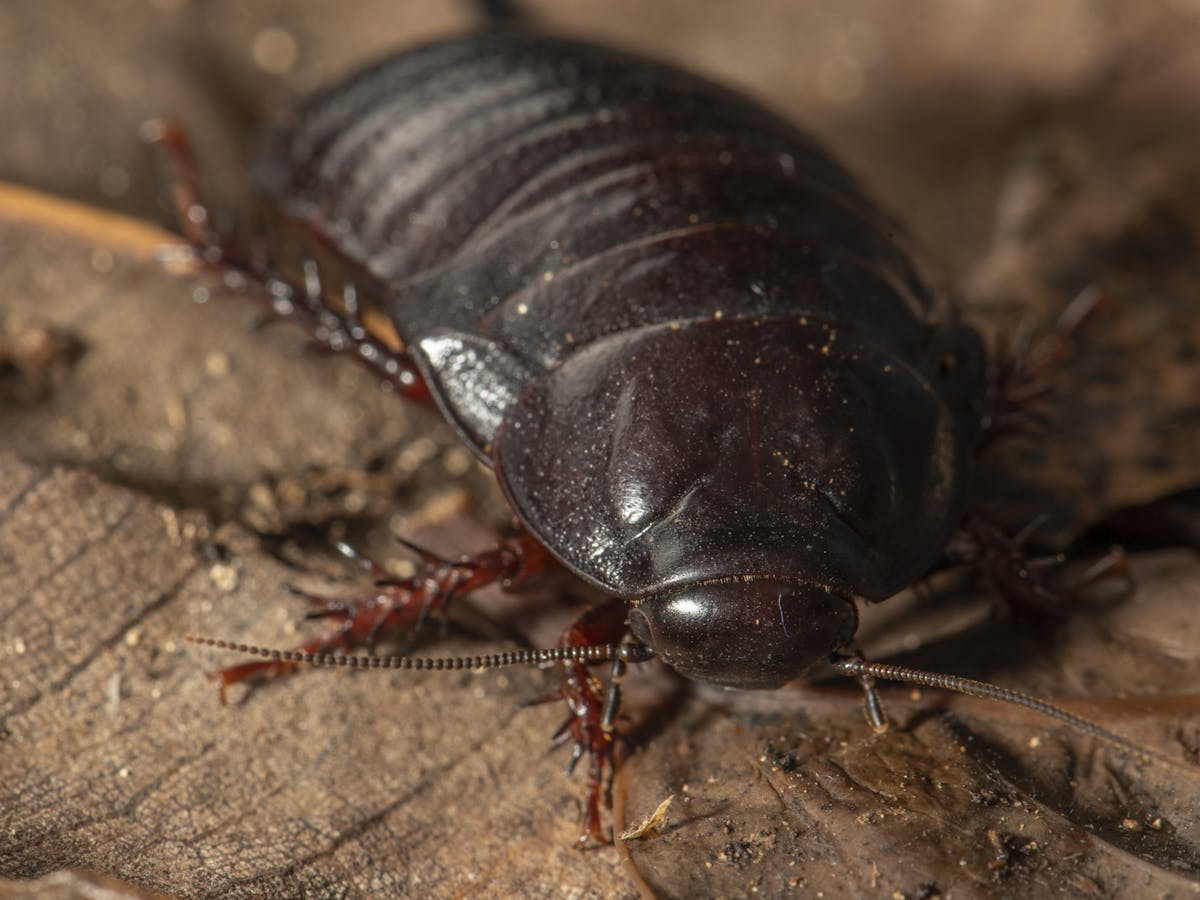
x=1021, y=374
x=399, y=606
x=1020, y=378
x=302, y=299
x=1023, y=582
x=590, y=711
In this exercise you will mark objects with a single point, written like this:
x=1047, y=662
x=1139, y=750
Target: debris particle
x=650, y=824
x=224, y=576
x=114, y=693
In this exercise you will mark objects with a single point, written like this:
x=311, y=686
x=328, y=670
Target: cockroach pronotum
x=706, y=376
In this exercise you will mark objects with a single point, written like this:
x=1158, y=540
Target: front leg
x=591, y=711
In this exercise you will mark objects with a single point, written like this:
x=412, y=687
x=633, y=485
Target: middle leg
x=398, y=606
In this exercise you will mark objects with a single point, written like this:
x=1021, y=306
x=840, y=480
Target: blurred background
x=925, y=100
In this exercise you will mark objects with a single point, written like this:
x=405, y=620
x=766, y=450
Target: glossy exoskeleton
x=706, y=376
x=708, y=380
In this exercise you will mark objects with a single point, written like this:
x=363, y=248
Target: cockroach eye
x=758, y=633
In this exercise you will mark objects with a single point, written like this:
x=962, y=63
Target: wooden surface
x=163, y=471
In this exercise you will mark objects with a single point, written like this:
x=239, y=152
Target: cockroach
x=708, y=378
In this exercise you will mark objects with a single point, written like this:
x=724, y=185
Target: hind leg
x=333, y=320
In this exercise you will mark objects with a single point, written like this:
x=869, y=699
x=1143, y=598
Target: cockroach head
x=745, y=632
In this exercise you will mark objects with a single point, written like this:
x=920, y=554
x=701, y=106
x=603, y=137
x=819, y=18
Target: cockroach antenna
x=596, y=653
x=867, y=672
x=863, y=671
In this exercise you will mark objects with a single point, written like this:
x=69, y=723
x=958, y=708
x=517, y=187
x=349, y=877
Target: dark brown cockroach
x=707, y=378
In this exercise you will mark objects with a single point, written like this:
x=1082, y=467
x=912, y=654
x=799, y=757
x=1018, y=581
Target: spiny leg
x=1020, y=378
x=1021, y=374
x=398, y=606
x=303, y=299
x=591, y=711
x=1023, y=582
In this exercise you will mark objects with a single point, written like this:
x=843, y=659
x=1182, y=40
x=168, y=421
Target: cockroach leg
x=303, y=298
x=398, y=606
x=1113, y=565
x=872, y=705
x=1022, y=373
x=590, y=712
x=612, y=702
x=595, y=637
x=1022, y=581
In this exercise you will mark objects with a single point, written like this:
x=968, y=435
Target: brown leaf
x=119, y=759
x=185, y=401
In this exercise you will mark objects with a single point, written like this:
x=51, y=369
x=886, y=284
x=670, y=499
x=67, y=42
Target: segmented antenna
x=854, y=667
x=861, y=668
x=591, y=654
